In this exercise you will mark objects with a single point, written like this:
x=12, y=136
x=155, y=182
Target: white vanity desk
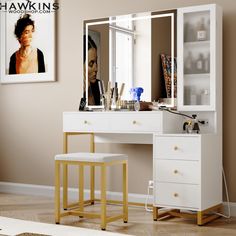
x=181, y=173
x=187, y=168
x=122, y=127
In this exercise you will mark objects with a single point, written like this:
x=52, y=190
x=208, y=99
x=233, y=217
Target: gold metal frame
x=92, y=176
x=78, y=208
x=80, y=212
x=65, y=168
x=202, y=217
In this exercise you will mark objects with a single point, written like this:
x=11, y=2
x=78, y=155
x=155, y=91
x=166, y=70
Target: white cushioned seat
x=91, y=157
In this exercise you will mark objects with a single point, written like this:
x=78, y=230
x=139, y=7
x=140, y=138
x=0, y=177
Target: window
x=121, y=52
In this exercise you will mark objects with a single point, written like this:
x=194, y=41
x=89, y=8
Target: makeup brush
x=121, y=90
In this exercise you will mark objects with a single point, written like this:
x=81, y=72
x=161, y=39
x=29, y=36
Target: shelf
x=199, y=60
x=197, y=43
x=193, y=76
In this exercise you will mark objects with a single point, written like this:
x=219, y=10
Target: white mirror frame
x=132, y=19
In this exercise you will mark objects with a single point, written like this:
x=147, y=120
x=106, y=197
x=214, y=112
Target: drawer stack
x=177, y=171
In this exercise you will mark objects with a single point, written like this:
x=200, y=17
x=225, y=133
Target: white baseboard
x=48, y=191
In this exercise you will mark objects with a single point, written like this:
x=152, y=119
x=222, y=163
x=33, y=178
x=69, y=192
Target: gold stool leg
x=65, y=186
x=57, y=192
x=125, y=192
x=81, y=188
x=103, y=197
x=65, y=173
x=92, y=171
x=92, y=184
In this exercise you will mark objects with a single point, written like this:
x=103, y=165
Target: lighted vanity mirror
x=127, y=49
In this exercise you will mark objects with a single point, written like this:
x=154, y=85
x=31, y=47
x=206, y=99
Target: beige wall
x=31, y=114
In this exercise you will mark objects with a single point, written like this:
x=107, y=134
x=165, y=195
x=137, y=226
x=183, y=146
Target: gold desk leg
x=125, y=192
x=57, y=192
x=103, y=197
x=155, y=213
x=199, y=217
x=92, y=171
x=65, y=173
x=81, y=188
x=203, y=218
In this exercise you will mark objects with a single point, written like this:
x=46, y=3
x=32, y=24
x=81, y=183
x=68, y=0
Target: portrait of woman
x=93, y=87
x=26, y=59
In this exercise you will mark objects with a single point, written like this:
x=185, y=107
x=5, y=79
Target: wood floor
x=41, y=209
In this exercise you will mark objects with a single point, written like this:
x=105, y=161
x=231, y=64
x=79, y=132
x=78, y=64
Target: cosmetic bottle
x=205, y=98
x=201, y=30
x=199, y=63
x=188, y=65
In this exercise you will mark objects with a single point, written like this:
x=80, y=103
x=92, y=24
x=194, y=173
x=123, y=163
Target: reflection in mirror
x=137, y=50
x=92, y=54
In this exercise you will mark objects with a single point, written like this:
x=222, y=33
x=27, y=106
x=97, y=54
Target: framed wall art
x=27, y=34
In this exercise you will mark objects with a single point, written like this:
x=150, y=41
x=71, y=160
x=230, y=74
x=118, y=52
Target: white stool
x=91, y=159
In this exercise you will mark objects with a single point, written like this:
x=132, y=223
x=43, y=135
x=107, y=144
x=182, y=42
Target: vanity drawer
x=181, y=195
x=177, y=171
x=137, y=122
x=85, y=122
x=177, y=147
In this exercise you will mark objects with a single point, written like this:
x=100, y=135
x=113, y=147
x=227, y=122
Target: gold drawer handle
x=85, y=122
x=176, y=171
x=134, y=122
x=175, y=148
x=176, y=194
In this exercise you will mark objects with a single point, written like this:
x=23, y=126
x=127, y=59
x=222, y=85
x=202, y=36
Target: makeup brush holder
x=107, y=104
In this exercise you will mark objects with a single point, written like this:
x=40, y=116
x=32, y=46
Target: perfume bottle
x=189, y=32
x=188, y=65
x=208, y=30
x=193, y=96
x=205, y=98
x=186, y=32
x=207, y=64
x=199, y=63
x=201, y=30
